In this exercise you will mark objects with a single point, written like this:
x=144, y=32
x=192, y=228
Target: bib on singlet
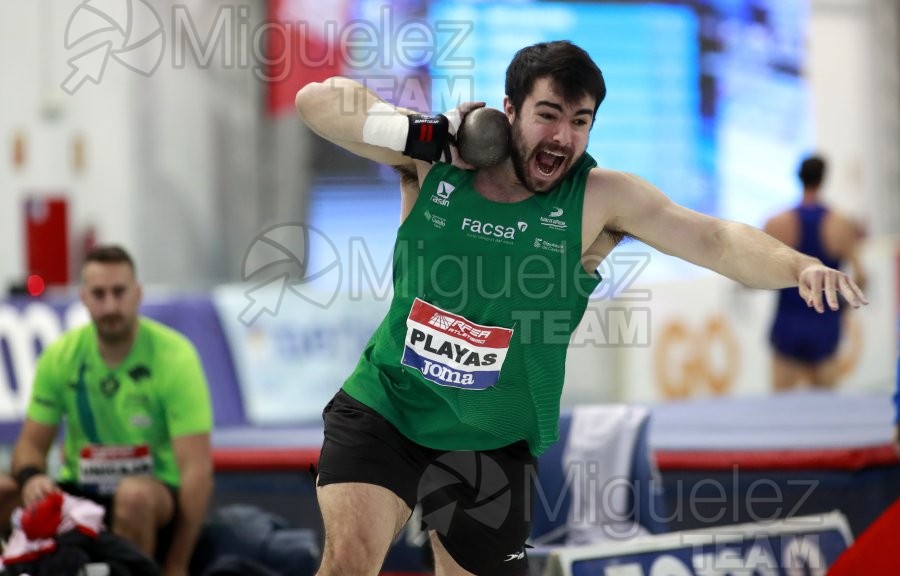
x=101, y=468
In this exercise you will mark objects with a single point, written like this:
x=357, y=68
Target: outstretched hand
x=817, y=279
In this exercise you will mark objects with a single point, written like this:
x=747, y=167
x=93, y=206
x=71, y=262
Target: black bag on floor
x=74, y=550
x=248, y=532
x=237, y=566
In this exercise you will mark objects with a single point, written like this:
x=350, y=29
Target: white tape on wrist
x=455, y=119
x=385, y=127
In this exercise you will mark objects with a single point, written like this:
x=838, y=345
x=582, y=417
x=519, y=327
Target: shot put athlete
x=492, y=272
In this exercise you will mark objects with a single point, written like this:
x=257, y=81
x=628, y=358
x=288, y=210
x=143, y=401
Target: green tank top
x=122, y=420
x=472, y=352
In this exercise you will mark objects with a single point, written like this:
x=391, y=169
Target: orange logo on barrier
x=699, y=361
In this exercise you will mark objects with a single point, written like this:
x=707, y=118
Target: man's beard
x=518, y=156
x=114, y=329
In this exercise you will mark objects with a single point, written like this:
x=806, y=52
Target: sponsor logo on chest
x=478, y=228
x=553, y=220
x=547, y=245
x=442, y=196
x=436, y=221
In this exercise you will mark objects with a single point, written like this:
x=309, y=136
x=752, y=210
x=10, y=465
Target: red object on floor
x=875, y=551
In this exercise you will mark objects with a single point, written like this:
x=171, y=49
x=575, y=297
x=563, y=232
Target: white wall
x=34, y=64
x=173, y=160
x=853, y=73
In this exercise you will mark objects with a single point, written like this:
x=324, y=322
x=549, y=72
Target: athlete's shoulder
x=446, y=171
x=611, y=177
x=610, y=185
x=781, y=221
x=66, y=348
x=603, y=176
x=172, y=357
x=586, y=162
x=165, y=340
x=842, y=219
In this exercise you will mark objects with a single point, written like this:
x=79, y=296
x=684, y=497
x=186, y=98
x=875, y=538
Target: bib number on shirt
x=101, y=468
x=449, y=350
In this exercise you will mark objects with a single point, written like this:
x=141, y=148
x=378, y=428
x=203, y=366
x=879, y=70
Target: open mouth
x=548, y=163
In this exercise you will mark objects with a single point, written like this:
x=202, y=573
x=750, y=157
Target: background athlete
x=805, y=344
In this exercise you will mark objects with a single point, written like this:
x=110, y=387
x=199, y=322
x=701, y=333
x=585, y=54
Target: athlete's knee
x=358, y=555
x=132, y=502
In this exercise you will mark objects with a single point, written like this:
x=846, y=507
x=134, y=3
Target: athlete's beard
x=521, y=157
x=517, y=154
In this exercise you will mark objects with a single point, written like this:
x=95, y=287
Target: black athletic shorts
x=477, y=502
x=163, y=536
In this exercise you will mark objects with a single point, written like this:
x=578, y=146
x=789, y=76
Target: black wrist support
x=25, y=474
x=428, y=137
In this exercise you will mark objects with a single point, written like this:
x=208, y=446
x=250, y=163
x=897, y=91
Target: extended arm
x=194, y=456
x=740, y=252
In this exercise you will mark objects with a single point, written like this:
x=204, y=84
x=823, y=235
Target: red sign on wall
x=47, y=238
x=304, y=43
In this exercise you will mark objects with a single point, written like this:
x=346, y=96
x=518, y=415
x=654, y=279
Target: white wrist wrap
x=385, y=127
x=455, y=120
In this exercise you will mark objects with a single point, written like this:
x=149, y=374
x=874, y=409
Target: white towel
x=78, y=513
x=598, y=459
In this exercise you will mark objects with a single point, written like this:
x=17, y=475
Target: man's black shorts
x=477, y=502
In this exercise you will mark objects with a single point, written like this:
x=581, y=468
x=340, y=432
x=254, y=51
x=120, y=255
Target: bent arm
x=30, y=453
x=194, y=456
x=9, y=500
x=33, y=445
x=337, y=109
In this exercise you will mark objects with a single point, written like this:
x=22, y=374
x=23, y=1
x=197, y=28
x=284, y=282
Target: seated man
x=138, y=418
